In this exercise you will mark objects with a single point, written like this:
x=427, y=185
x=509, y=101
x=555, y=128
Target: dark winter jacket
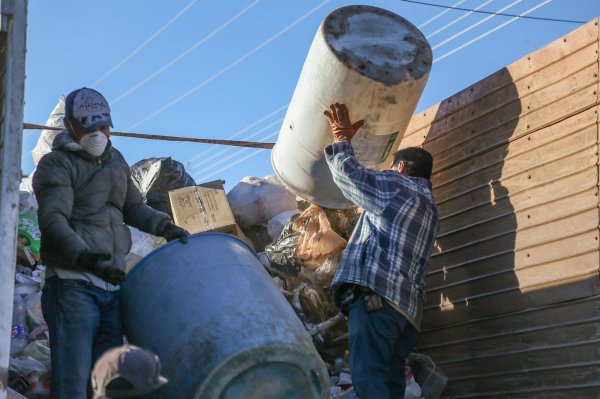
x=84, y=202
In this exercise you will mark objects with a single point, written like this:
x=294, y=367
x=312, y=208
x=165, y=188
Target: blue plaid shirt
x=393, y=239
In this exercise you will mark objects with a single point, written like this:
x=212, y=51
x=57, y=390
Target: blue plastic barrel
x=219, y=324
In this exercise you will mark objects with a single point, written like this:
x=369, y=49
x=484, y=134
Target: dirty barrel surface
x=220, y=326
x=374, y=61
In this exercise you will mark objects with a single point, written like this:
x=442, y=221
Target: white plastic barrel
x=375, y=62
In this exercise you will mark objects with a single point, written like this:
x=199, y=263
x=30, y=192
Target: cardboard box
x=203, y=208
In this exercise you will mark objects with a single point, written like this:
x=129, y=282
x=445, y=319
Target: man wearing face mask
x=86, y=195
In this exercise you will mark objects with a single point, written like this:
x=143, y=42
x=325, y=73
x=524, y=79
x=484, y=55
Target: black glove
x=173, y=232
x=100, y=265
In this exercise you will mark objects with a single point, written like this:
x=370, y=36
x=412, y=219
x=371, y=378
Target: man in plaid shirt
x=380, y=278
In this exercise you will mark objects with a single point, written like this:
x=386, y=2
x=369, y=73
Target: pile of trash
x=300, y=244
x=29, y=364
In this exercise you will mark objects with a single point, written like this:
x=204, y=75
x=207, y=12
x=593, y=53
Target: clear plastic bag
x=428, y=375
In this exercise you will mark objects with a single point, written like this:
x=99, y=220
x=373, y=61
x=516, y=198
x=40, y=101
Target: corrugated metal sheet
x=513, y=287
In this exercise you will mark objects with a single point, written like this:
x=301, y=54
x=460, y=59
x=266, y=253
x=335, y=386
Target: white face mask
x=94, y=143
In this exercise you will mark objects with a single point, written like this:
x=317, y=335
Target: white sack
x=254, y=200
x=44, y=144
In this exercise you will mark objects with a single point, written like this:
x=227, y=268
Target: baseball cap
x=137, y=369
x=88, y=109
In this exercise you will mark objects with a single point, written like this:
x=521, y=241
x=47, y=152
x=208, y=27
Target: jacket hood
x=63, y=141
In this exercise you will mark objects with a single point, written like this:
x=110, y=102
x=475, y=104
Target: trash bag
x=428, y=375
x=39, y=350
x=254, y=200
x=276, y=224
x=318, y=238
x=282, y=254
x=44, y=144
x=342, y=221
x=17, y=383
x=307, y=241
x=155, y=177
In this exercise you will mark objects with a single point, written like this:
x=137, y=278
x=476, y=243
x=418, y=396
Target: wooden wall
x=513, y=286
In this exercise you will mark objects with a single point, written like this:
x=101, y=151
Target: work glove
x=100, y=265
x=339, y=120
x=173, y=232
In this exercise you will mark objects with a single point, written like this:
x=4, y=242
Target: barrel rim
x=275, y=353
x=426, y=56
x=175, y=242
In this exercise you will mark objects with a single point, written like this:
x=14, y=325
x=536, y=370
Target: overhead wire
x=227, y=68
x=223, y=152
x=439, y=15
x=473, y=26
x=489, y=32
x=184, y=54
x=457, y=20
x=453, y=7
x=205, y=176
x=145, y=43
x=244, y=130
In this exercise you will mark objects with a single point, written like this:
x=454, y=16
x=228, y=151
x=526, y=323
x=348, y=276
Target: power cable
x=473, y=26
x=184, y=54
x=223, y=152
x=490, y=31
x=571, y=21
x=454, y=22
x=203, y=177
x=441, y=14
x=241, y=151
x=240, y=132
x=141, y=46
x=227, y=68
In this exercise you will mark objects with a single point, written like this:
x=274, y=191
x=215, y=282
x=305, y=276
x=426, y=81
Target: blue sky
x=227, y=69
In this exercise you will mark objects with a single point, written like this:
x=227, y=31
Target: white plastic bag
x=44, y=144
x=254, y=200
x=277, y=223
x=142, y=245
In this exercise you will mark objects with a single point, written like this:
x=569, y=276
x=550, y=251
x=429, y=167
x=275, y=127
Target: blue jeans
x=379, y=342
x=83, y=321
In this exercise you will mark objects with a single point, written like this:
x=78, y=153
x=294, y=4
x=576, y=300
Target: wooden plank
x=526, y=99
x=510, y=301
x=489, y=249
x=557, y=50
x=492, y=166
x=586, y=391
x=559, y=335
x=478, y=201
x=512, y=150
x=495, y=186
x=519, y=218
x=584, y=220
x=511, y=367
x=500, y=127
x=530, y=320
x=502, y=268
x=532, y=384
x=480, y=285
